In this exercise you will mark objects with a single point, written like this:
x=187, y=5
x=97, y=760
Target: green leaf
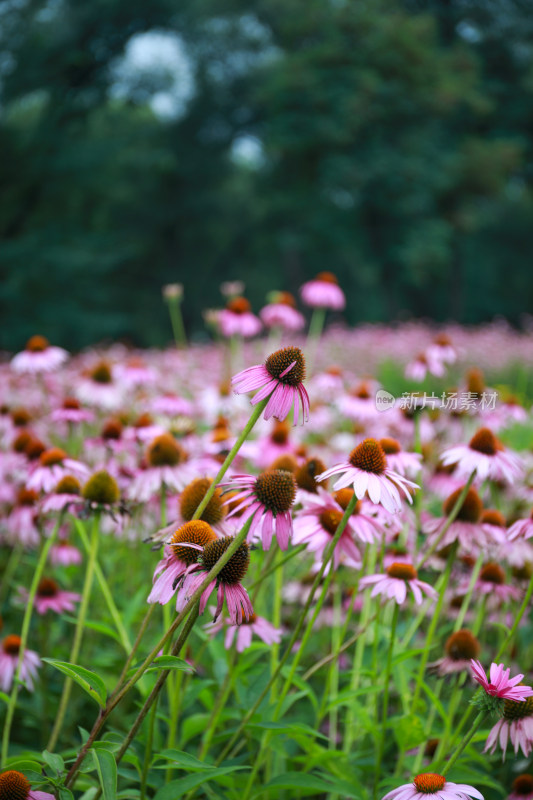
x=170, y=662
x=184, y=760
x=181, y=786
x=89, y=681
x=54, y=761
x=4, y=697
x=408, y=731
x=106, y=768
x=24, y=765
x=65, y=794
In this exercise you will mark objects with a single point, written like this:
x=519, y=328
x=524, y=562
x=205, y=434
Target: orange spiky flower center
x=68, y=485
x=493, y=517
x=330, y=519
x=102, y=373
x=20, y=417
x=523, y=784
x=462, y=646
x=192, y=496
x=47, y=588
x=326, y=277
x=71, y=403
x=369, y=456
x=343, y=497
x=429, y=782
x=278, y=362
x=514, y=709
x=475, y=382
x=484, y=442
x=196, y=532
x=286, y=462
x=27, y=497
x=390, y=446
x=306, y=474
x=165, y=451
x=492, y=573
x=14, y=785
x=280, y=434
x=405, y=572
x=276, y=490
x=52, y=457
x=471, y=508
x=36, y=344
x=239, y=305
x=112, y=429
x=101, y=488
x=11, y=644
x=234, y=571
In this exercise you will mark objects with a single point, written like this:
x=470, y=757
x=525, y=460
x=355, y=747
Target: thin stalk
x=106, y=591
x=220, y=702
x=316, y=326
x=256, y=413
x=47, y=544
x=176, y=320
x=148, y=751
x=294, y=552
x=10, y=569
x=433, y=625
x=466, y=739
x=468, y=596
x=381, y=745
x=78, y=633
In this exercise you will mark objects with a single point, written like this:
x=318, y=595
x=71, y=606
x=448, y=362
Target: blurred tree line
x=388, y=141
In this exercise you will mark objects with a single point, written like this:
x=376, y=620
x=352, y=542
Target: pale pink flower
x=9, y=656
x=167, y=467
x=367, y=471
x=423, y=364
x=522, y=788
x=401, y=461
x=323, y=292
x=487, y=456
x=283, y=316
x=64, y=554
x=237, y=319
x=54, y=465
x=50, y=597
x=268, y=499
x=254, y=625
x=39, y=356
x=499, y=683
x=521, y=529
x=280, y=379
x=431, y=784
x=515, y=725
x=393, y=584
x=71, y=411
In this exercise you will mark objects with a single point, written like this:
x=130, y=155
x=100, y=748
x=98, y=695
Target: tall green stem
x=24, y=640
x=381, y=745
x=466, y=739
x=316, y=326
x=78, y=633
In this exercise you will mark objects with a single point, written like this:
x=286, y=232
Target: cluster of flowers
x=116, y=434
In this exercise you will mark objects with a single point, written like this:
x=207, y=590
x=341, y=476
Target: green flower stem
x=78, y=633
x=135, y=647
x=47, y=544
x=466, y=739
x=328, y=555
x=148, y=751
x=104, y=586
x=219, y=704
x=256, y=413
x=316, y=326
x=10, y=569
x=452, y=708
x=451, y=518
x=369, y=564
x=176, y=320
x=469, y=592
x=433, y=626
x=276, y=621
x=115, y=699
x=386, y=679
x=333, y=677
x=333, y=656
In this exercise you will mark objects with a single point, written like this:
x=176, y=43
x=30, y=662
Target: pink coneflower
x=227, y=582
x=66, y=493
x=258, y=625
x=15, y=786
x=268, y=448
x=268, y=499
x=171, y=405
x=442, y=349
x=430, y=783
x=21, y=524
x=485, y=454
x=423, y=364
x=467, y=528
x=191, y=497
x=460, y=648
x=237, y=319
x=39, y=356
x=492, y=583
x=500, y=684
x=178, y=559
x=64, y=554
x=323, y=292
x=282, y=313
x=167, y=467
x=71, y=411
x=98, y=387
x=521, y=529
x=9, y=656
x=319, y=518
x=50, y=597
x=393, y=584
x=522, y=787
x=53, y=465
x=516, y=725
x=279, y=378
x=367, y=471
x=401, y=461
x=360, y=403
